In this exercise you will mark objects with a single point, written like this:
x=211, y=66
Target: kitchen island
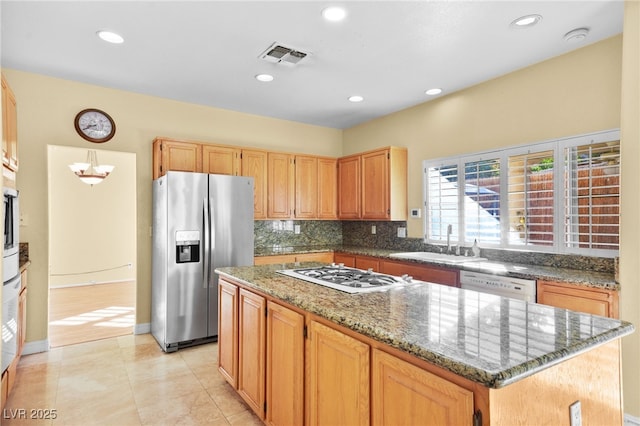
x=422, y=353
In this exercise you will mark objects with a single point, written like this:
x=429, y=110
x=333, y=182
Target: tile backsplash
x=282, y=234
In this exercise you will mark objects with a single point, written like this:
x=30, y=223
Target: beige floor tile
x=195, y=408
x=135, y=339
x=164, y=389
x=124, y=381
x=226, y=398
x=246, y=418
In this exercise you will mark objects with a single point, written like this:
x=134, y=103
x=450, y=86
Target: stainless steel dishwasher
x=515, y=288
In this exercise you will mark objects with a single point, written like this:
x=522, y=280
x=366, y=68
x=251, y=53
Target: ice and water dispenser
x=187, y=246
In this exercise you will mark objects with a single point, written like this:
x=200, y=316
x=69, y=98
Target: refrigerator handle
x=207, y=243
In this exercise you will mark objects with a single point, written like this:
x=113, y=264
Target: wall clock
x=95, y=125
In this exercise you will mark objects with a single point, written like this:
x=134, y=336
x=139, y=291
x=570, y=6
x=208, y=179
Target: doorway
x=92, y=248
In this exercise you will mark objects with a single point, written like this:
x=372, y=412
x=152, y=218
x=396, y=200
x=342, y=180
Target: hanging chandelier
x=91, y=172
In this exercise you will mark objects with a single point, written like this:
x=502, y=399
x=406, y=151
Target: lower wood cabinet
x=597, y=301
x=366, y=262
x=228, y=331
x=285, y=366
x=338, y=378
x=348, y=260
x=403, y=394
x=326, y=257
x=428, y=273
x=251, y=350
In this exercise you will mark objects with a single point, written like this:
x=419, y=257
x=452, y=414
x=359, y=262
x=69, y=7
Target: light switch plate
x=373, y=229
x=402, y=232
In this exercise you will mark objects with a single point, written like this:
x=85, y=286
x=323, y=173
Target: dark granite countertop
x=578, y=277
x=491, y=340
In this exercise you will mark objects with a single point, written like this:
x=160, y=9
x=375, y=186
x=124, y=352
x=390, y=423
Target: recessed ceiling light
x=264, y=77
x=334, y=13
x=576, y=35
x=526, y=21
x=110, y=37
x=433, y=92
x=356, y=98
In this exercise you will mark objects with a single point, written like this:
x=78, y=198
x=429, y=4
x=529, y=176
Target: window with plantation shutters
x=531, y=199
x=592, y=195
x=442, y=193
x=559, y=196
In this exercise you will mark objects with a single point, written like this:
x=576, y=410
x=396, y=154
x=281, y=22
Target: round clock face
x=95, y=125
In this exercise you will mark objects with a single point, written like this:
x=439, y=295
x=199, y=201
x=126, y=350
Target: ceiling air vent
x=279, y=54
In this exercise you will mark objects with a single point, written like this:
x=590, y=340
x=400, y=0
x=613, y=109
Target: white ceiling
x=207, y=52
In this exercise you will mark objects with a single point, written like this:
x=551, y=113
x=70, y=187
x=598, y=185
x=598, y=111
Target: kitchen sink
x=437, y=257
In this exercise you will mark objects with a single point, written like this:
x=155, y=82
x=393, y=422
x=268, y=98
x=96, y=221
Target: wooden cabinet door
x=589, y=300
x=327, y=188
x=364, y=262
x=403, y=394
x=349, y=187
x=306, y=186
x=252, y=350
x=432, y=274
x=9, y=127
x=375, y=185
x=228, y=331
x=285, y=366
x=220, y=160
x=271, y=260
x=338, y=378
x=326, y=257
x=170, y=155
x=280, y=179
x=346, y=259
x=254, y=164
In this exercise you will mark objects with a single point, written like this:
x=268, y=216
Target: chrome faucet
x=449, y=230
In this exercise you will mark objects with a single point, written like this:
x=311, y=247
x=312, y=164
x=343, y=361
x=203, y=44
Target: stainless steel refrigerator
x=200, y=222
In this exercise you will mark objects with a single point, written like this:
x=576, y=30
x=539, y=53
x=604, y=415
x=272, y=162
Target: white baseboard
x=142, y=328
x=630, y=420
x=35, y=347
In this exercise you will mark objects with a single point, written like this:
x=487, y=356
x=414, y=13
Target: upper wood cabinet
x=9, y=127
x=306, y=186
x=597, y=301
x=327, y=188
x=287, y=186
x=373, y=185
x=254, y=164
x=280, y=185
x=172, y=155
x=349, y=188
x=220, y=160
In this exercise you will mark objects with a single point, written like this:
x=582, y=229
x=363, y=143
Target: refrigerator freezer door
x=231, y=210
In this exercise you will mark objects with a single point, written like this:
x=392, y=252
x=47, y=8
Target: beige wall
x=46, y=108
x=630, y=201
x=568, y=95
x=572, y=94
x=92, y=237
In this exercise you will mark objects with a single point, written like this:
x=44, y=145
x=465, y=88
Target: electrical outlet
x=575, y=414
x=373, y=229
x=402, y=232
x=296, y=229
